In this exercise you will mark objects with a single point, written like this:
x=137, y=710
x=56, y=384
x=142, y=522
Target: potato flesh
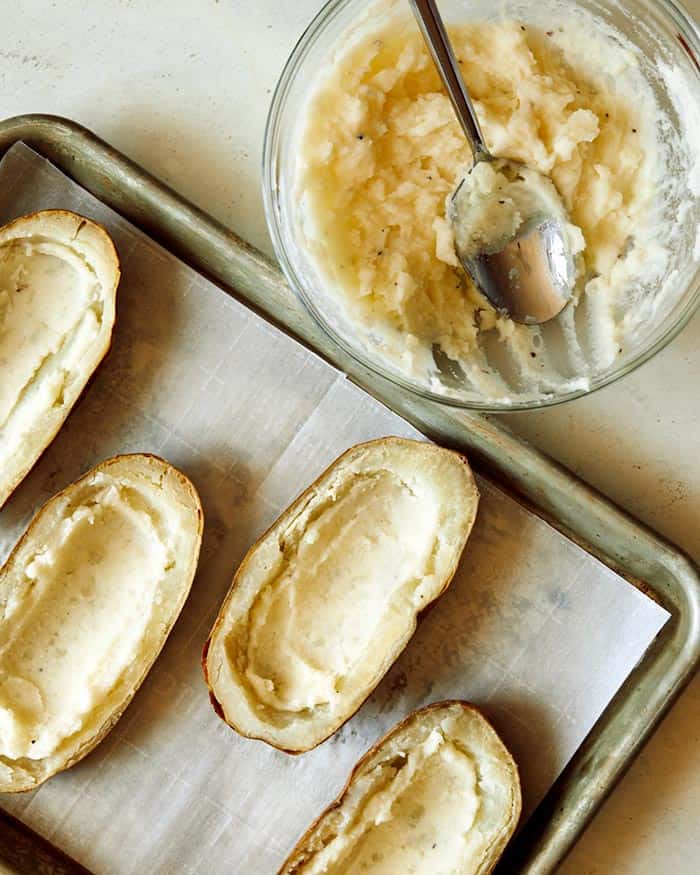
x=377, y=538
x=422, y=825
x=439, y=794
x=50, y=314
x=358, y=556
x=77, y=621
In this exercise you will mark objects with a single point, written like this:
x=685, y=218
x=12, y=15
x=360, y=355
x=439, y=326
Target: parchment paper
x=532, y=629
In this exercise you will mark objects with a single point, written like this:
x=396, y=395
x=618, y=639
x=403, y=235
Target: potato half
x=58, y=282
x=439, y=794
x=328, y=598
x=87, y=599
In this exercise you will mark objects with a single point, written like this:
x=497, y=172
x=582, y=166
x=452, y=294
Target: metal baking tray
x=641, y=556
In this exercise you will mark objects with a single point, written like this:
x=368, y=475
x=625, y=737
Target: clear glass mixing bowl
x=665, y=35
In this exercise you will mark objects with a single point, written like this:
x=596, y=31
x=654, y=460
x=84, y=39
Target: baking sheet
x=525, y=630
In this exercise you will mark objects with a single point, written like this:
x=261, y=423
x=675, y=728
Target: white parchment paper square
x=532, y=629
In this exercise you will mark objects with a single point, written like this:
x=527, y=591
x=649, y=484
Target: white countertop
x=182, y=86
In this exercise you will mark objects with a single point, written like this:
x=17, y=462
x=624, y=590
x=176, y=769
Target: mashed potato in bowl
x=377, y=151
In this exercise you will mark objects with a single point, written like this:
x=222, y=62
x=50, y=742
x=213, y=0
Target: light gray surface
x=252, y=418
x=183, y=87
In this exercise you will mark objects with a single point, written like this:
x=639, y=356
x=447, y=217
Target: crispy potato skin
x=218, y=708
x=298, y=854
x=189, y=489
x=79, y=221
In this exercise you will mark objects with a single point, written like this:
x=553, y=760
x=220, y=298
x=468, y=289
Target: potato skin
x=69, y=216
x=297, y=855
x=113, y=718
x=217, y=706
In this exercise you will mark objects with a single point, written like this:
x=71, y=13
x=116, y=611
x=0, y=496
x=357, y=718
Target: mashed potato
x=381, y=150
x=494, y=201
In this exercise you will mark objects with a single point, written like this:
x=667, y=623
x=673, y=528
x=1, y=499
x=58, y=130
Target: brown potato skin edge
x=109, y=724
x=116, y=263
x=448, y=580
x=414, y=715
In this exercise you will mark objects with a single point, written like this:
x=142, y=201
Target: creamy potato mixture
x=291, y=672
x=76, y=624
x=381, y=151
x=495, y=200
x=422, y=818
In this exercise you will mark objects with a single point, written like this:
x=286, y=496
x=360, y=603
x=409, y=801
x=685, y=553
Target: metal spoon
x=529, y=277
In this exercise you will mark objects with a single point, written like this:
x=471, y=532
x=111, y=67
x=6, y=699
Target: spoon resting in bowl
x=512, y=232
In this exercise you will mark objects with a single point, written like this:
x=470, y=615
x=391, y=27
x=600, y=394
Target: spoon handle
x=438, y=43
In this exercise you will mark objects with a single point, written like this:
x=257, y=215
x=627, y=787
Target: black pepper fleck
x=522, y=27
x=634, y=130
x=360, y=136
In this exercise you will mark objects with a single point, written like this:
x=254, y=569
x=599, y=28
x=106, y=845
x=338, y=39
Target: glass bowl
x=665, y=36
